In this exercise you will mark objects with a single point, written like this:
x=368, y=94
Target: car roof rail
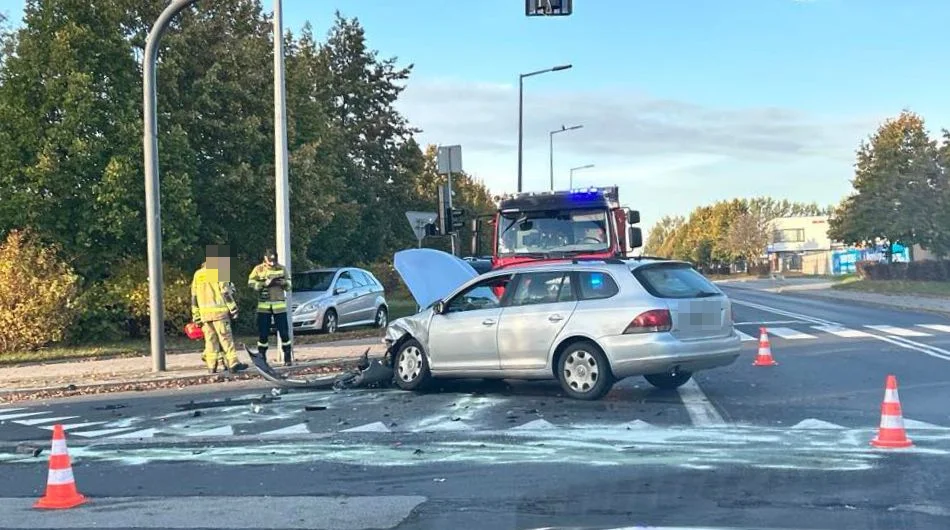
x=609, y=261
x=638, y=258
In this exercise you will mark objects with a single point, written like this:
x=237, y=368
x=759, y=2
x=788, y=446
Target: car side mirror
x=339, y=290
x=439, y=307
x=635, y=237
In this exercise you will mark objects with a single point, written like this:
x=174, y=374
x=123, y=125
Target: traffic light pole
x=449, y=212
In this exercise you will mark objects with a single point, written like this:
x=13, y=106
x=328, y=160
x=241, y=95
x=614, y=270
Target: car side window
x=360, y=279
x=345, y=281
x=482, y=295
x=542, y=288
x=595, y=285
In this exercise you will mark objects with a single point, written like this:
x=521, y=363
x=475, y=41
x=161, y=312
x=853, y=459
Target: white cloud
x=666, y=154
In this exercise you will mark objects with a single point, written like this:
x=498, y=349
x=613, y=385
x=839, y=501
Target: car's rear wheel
x=411, y=366
x=584, y=372
x=330, y=322
x=382, y=317
x=670, y=381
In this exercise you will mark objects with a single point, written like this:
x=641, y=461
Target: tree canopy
x=901, y=188
x=71, y=151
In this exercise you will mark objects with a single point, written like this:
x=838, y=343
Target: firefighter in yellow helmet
x=272, y=281
x=213, y=307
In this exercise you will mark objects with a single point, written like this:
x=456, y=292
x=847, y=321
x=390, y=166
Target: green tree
x=65, y=106
x=898, y=187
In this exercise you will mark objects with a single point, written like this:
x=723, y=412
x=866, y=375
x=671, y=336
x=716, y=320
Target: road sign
x=418, y=222
x=449, y=159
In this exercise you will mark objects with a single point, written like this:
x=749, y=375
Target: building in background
x=800, y=244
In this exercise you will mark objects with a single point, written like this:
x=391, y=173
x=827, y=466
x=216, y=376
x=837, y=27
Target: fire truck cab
x=559, y=225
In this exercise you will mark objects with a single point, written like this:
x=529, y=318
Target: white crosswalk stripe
x=842, y=331
x=936, y=327
x=790, y=334
x=899, y=332
x=745, y=337
x=100, y=432
x=40, y=421
x=71, y=426
x=21, y=415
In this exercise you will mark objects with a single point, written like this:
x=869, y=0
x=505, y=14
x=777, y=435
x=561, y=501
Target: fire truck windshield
x=553, y=231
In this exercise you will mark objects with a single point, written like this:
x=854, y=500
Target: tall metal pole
x=521, y=114
x=282, y=185
x=551, y=156
x=153, y=209
x=520, y=128
x=449, y=209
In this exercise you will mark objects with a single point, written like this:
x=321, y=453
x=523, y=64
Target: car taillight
x=653, y=321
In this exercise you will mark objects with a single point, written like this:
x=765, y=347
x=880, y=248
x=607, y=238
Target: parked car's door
x=464, y=336
x=345, y=297
x=366, y=301
x=540, y=305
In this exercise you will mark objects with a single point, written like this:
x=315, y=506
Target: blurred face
x=270, y=260
x=219, y=262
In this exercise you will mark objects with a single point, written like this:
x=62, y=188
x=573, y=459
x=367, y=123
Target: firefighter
x=213, y=307
x=272, y=281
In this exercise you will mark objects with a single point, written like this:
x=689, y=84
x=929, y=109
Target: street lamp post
x=521, y=113
x=551, y=148
x=578, y=168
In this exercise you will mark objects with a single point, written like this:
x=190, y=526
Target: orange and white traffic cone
x=764, y=358
x=61, y=490
x=891, y=433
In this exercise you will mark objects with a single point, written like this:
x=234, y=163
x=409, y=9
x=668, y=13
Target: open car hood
x=431, y=274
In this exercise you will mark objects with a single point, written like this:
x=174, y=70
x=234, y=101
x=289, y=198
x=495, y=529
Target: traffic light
x=457, y=221
x=443, y=221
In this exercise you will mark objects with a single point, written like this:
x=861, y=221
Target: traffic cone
x=61, y=490
x=891, y=433
x=764, y=358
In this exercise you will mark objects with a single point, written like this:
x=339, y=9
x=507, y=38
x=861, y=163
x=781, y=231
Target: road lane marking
x=900, y=332
x=22, y=415
x=71, y=426
x=100, y=432
x=937, y=327
x=535, y=425
x=745, y=337
x=784, y=313
x=770, y=323
x=916, y=346
x=300, y=428
x=701, y=411
x=932, y=351
x=790, y=334
x=370, y=427
x=144, y=433
x=40, y=421
x=227, y=430
x=842, y=331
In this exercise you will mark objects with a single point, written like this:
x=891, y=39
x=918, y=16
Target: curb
x=113, y=386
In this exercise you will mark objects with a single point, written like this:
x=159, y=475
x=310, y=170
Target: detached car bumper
x=657, y=353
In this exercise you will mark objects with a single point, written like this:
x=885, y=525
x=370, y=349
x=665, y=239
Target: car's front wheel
x=670, y=381
x=330, y=322
x=584, y=372
x=411, y=366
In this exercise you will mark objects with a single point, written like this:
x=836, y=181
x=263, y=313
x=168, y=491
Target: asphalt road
x=745, y=447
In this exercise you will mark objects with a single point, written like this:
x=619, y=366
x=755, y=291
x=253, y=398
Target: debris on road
x=367, y=373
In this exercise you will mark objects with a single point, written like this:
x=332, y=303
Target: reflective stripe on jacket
x=272, y=299
x=211, y=300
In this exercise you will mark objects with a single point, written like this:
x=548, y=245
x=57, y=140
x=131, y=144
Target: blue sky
x=683, y=102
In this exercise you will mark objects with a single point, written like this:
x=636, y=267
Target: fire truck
x=559, y=225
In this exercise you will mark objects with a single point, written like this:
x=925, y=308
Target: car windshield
x=553, y=231
x=312, y=281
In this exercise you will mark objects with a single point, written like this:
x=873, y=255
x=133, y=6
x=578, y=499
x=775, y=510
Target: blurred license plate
x=704, y=313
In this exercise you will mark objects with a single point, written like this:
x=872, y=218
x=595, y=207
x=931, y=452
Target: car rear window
x=674, y=280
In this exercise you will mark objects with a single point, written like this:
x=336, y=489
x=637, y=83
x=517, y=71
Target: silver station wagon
x=587, y=324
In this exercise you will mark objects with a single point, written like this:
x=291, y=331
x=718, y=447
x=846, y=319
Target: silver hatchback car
x=329, y=299
x=587, y=324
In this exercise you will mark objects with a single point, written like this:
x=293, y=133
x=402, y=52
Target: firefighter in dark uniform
x=272, y=281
